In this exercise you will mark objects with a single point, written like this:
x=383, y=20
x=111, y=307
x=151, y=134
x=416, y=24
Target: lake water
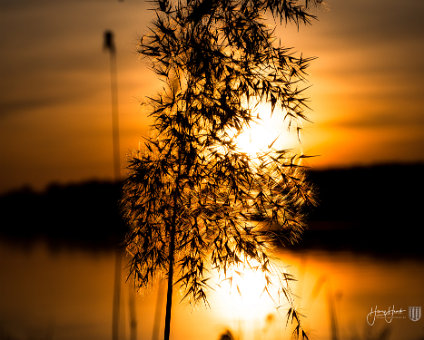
x=67, y=295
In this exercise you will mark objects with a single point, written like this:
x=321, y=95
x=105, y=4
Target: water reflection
x=69, y=296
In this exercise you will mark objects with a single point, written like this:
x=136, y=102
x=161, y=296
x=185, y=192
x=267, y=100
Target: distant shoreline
x=373, y=210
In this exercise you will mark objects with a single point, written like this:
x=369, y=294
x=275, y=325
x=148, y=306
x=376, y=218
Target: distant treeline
x=83, y=214
x=368, y=209
x=374, y=209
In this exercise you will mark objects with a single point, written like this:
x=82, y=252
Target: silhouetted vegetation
x=227, y=335
x=194, y=201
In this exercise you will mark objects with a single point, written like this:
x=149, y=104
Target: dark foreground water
x=67, y=295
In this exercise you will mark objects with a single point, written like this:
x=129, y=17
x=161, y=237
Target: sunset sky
x=55, y=121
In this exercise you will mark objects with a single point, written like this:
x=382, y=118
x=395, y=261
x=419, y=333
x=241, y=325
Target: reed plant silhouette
x=193, y=200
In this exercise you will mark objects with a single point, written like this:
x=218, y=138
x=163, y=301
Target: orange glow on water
x=242, y=295
x=78, y=301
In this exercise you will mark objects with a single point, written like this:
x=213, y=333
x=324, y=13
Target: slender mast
x=109, y=45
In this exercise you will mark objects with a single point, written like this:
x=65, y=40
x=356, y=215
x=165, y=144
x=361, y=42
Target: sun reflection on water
x=71, y=291
x=251, y=302
x=242, y=295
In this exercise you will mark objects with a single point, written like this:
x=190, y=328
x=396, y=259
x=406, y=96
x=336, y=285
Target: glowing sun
x=266, y=131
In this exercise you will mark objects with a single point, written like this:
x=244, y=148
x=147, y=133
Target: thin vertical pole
x=158, y=311
x=115, y=116
x=333, y=317
x=109, y=45
x=133, y=313
x=116, y=296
